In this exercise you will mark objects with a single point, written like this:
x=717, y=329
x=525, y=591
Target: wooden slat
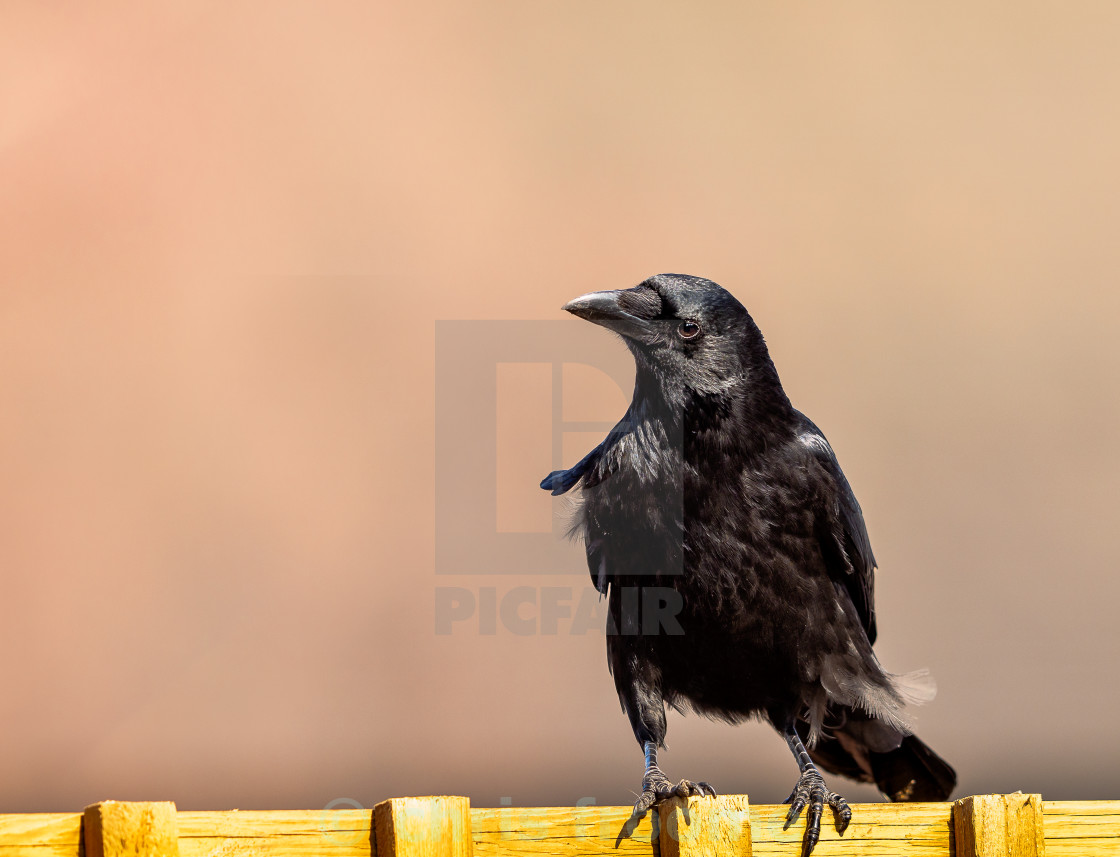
x=281, y=833
x=1072, y=829
x=999, y=826
x=116, y=828
x=561, y=831
x=1082, y=828
x=423, y=827
x=42, y=834
x=877, y=830
x=705, y=827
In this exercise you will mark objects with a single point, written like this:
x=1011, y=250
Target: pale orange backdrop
x=227, y=232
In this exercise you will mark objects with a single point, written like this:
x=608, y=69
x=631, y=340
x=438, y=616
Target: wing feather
x=843, y=533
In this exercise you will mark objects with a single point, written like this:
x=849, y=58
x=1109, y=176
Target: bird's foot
x=811, y=792
x=656, y=787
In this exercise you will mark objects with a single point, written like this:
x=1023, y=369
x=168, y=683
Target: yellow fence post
x=423, y=827
x=116, y=828
x=705, y=827
x=999, y=826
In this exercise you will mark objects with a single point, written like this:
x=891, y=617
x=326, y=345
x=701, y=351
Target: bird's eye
x=688, y=330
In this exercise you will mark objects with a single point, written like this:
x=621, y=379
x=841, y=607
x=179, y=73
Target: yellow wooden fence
x=1015, y=825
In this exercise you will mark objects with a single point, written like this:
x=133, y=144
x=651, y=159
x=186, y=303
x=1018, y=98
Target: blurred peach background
x=227, y=232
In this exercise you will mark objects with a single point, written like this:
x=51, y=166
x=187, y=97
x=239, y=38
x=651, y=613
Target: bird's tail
x=901, y=765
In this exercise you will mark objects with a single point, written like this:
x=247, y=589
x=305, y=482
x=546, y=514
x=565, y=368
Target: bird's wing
x=843, y=533
x=561, y=481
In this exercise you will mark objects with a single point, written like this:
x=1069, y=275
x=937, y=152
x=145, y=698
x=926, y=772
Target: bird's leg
x=639, y=689
x=811, y=792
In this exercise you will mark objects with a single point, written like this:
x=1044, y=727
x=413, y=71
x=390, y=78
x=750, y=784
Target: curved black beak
x=628, y=312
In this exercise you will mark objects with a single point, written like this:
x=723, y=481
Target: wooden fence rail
x=1015, y=825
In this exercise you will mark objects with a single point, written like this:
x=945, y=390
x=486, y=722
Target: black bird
x=735, y=559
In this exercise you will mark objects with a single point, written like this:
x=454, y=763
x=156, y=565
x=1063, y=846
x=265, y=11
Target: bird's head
x=689, y=333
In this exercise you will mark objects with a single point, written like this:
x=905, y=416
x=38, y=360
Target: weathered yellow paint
x=41, y=834
x=876, y=830
x=1082, y=828
x=423, y=827
x=916, y=830
x=999, y=826
x=116, y=828
x=562, y=831
x=277, y=833
x=1003, y=825
x=705, y=827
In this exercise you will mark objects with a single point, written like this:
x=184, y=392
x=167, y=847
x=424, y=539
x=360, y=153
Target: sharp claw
x=794, y=812
x=641, y=806
x=706, y=788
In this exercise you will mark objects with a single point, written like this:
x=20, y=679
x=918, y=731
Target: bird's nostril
x=641, y=301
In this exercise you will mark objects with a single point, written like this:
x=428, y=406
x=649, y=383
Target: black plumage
x=735, y=558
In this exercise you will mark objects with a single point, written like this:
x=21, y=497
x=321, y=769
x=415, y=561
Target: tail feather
x=913, y=772
x=901, y=765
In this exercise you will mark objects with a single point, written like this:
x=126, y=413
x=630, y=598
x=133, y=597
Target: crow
x=735, y=560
